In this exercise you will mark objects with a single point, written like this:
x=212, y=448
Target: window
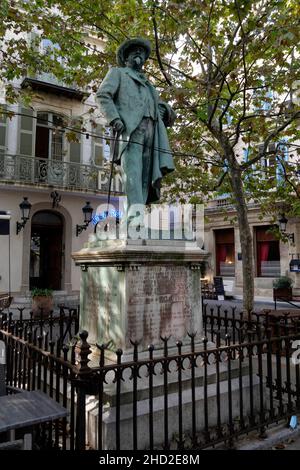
x=49, y=140
x=267, y=253
x=282, y=156
x=271, y=163
x=50, y=49
x=47, y=46
x=225, y=254
x=269, y=166
x=262, y=99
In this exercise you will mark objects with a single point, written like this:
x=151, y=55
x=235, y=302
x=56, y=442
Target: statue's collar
x=138, y=76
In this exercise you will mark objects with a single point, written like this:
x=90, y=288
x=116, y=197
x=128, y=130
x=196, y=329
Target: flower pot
x=284, y=293
x=42, y=302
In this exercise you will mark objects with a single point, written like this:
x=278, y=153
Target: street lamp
x=87, y=213
x=25, y=207
x=282, y=226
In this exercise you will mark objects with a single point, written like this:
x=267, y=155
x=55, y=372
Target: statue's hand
x=118, y=125
x=162, y=112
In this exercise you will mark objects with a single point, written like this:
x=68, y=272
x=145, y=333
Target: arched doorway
x=46, y=250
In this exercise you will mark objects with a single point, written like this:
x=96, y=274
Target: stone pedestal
x=140, y=290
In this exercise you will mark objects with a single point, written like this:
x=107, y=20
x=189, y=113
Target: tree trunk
x=245, y=238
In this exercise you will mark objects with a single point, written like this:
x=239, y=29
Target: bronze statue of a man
x=131, y=105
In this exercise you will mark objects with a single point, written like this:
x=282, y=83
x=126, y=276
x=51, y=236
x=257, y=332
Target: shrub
x=283, y=282
x=36, y=292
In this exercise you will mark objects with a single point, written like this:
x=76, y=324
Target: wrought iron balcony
x=60, y=174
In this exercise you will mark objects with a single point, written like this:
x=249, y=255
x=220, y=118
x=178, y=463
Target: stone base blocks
x=140, y=290
x=159, y=409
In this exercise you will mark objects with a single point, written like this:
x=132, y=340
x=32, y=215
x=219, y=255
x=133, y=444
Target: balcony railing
x=61, y=174
x=223, y=202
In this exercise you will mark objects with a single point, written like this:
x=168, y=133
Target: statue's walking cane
x=114, y=154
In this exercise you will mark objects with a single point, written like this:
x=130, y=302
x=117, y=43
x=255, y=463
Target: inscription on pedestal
x=141, y=294
x=159, y=303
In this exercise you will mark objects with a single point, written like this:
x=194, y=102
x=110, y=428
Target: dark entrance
x=46, y=250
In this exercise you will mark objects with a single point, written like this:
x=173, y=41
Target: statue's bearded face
x=136, y=57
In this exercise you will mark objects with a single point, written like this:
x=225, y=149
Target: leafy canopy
x=228, y=67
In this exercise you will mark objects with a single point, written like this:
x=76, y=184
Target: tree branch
x=220, y=181
x=270, y=138
x=295, y=188
x=157, y=47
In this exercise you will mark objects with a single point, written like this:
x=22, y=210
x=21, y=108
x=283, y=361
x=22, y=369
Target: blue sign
x=103, y=215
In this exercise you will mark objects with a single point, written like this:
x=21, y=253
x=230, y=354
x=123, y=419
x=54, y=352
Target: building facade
x=272, y=257
x=47, y=159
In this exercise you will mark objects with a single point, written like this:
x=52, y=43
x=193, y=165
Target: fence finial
x=82, y=351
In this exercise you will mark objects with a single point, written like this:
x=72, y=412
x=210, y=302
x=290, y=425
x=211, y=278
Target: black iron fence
x=208, y=395
x=237, y=323
x=185, y=395
x=62, y=326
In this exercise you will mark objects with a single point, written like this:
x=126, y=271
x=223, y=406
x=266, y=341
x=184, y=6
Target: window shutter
x=75, y=147
x=3, y=136
x=97, y=147
x=3, y=130
x=27, y=128
x=75, y=150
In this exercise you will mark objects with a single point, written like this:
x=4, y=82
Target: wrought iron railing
x=193, y=397
x=58, y=173
x=59, y=326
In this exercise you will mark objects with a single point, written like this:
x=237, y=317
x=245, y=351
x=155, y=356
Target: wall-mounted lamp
x=25, y=207
x=87, y=213
x=282, y=226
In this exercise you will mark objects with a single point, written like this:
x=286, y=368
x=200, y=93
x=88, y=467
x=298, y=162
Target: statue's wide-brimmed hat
x=129, y=44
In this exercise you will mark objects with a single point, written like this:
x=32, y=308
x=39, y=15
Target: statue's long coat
x=122, y=95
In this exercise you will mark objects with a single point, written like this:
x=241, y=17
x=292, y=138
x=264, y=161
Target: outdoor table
x=24, y=409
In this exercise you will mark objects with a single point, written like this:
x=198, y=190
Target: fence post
x=2, y=368
x=82, y=351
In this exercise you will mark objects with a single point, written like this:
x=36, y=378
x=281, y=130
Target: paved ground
x=290, y=444
x=258, y=304
x=279, y=437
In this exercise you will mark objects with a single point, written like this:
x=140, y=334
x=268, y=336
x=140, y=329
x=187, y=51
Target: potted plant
x=41, y=299
x=282, y=288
